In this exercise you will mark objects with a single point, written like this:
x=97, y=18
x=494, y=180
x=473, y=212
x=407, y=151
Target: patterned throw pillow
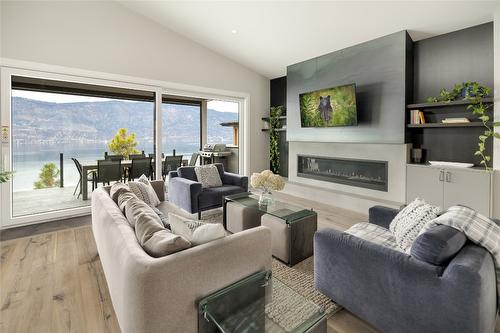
x=410, y=220
x=208, y=176
x=144, y=191
x=195, y=231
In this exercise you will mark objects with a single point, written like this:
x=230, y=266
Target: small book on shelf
x=417, y=117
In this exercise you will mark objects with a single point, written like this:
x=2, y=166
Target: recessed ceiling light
x=234, y=31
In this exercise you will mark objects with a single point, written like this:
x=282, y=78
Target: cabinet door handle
x=441, y=175
x=448, y=177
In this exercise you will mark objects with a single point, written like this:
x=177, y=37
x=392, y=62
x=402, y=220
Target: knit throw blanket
x=478, y=229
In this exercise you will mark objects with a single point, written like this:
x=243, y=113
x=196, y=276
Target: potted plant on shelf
x=267, y=181
x=475, y=94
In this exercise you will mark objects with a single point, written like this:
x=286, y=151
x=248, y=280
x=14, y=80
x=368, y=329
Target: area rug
x=300, y=278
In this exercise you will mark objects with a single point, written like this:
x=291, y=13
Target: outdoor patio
x=46, y=200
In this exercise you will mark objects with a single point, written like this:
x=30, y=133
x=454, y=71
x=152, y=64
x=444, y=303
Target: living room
x=297, y=180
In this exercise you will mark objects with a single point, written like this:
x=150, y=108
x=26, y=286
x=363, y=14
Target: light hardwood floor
x=53, y=281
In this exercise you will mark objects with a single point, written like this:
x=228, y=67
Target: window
x=53, y=122
x=222, y=122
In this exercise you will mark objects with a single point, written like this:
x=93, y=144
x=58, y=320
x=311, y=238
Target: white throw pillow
x=208, y=176
x=410, y=220
x=143, y=190
x=195, y=231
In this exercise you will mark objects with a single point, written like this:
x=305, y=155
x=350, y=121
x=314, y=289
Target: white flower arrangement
x=267, y=180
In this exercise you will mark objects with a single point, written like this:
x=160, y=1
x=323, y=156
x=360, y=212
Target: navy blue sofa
x=446, y=285
x=186, y=192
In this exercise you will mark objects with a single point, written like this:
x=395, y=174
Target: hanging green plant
x=475, y=94
x=274, y=150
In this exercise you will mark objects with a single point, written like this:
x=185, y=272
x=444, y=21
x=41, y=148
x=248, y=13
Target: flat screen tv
x=329, y=107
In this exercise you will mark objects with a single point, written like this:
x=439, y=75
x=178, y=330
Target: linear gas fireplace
x=362, y=173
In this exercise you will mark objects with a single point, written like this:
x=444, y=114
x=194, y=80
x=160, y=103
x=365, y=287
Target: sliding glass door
x=58, y=126
x=181, y=128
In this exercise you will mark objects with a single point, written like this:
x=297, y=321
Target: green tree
x=123, y=143
x=5, y=176
x=47, y=176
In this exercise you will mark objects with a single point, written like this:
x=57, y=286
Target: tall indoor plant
x=5, y=176
x=274, y=144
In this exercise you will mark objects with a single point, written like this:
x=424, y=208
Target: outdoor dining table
x=92, y=165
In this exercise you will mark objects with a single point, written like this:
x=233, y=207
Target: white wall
x=107, y=37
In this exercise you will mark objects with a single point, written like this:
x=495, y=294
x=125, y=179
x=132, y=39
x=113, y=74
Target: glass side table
x=259, y=303
x=292, y=227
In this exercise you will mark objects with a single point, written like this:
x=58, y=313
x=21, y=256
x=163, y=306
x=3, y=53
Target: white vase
x=266, y=198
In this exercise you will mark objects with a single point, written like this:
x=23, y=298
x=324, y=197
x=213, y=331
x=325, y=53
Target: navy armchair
x=397, y=292
x=186, y=192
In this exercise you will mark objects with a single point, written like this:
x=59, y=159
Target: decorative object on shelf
x=451, y=164
x=267, y=181
x=475, y=94
x=5, y=176
x=274, y=141
x=455, y=121
x=416, y=155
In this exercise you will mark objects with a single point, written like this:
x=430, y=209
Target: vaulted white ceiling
x=272, y=35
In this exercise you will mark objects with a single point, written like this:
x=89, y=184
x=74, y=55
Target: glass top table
x=257, y=304
x=282, y=210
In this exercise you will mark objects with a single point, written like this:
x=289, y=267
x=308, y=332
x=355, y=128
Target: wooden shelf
x=441, y=125
x=444, y=104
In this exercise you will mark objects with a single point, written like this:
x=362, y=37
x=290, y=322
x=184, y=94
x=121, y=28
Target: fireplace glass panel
x=361, y=173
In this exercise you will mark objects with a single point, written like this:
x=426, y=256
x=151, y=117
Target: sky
x=221, y=106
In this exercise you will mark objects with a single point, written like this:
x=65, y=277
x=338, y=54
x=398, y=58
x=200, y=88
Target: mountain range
x=35, y=121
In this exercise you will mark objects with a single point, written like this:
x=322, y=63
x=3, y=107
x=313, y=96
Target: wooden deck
x=46, y=200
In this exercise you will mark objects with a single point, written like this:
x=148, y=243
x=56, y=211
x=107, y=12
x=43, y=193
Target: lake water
x=29, y=159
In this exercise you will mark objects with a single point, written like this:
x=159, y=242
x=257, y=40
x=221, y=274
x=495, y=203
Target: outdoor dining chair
x=171, y=164
x=108, y=171
x=113, y=157
x=134, y=156
x=139, y=167
x=193, y=159
x=89, y=177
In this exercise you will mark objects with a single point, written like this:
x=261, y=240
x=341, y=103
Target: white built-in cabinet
x=445, y=187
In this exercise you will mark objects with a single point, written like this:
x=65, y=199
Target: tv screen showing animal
x=329, y=107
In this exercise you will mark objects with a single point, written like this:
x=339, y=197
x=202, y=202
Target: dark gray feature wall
x=379, y=70
x=278, y=98
x=441, y=62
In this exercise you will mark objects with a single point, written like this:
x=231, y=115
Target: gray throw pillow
x=208, y=176
x=117, y=189
x=150, y=232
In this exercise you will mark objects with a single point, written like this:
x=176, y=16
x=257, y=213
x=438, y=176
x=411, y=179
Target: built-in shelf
x=435, y=125
x=444, y=104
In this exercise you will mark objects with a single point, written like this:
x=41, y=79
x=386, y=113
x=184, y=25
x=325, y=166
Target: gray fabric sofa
x=186, y=192
x=160, y=294
x=450, y=288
